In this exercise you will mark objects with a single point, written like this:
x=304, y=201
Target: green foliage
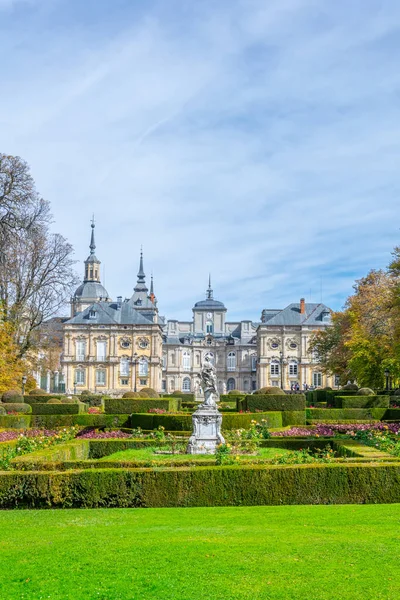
x=117, y=406
x=270, y=390
x=54, y=401
x=149, y=422
x=84, y=420
x=362, y=402
x=19, y=421
x=365, y=392
x=12, y=396
x=234, y=393
x=92, y=399
x=291, y=402
x=350, y=386
x=131, y=395
x=38, y=392
x=31, y=399
x=223, y=455
x=17, y=408
x=322, y=415
x=306, y=456
x=293, y=417
x=150, y=392
x=77, y=408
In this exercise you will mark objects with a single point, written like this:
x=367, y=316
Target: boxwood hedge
x=344, y=414
x=116, y=406
x=362, y=402
x=99, y=421
x=15, y=421
x=18, y=407
x=184, y=422
x=77, y=408
x=203, y=486
x=292, y=402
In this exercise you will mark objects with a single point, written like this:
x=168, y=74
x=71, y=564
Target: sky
x=258, y=140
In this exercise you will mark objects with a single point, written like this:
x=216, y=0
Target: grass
x=289, y=552
x=148, y=454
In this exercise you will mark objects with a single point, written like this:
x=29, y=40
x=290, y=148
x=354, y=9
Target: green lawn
x=289, y=552
x=148, y=454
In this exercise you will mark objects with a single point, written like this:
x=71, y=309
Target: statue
x=209, y=383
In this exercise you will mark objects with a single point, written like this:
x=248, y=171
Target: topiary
x=396, y=392
x=143, y=394
x=2, y=410
x=86, y=393
x=12, y=396
x=270, y=391
x=365, y=392
x=131, y=395
x=235, y=392
x=69, y=401
x=38, y=392
x=54, y=401
x=350, y=386
x=150, y=392
x=327, y=389
x=176, y=393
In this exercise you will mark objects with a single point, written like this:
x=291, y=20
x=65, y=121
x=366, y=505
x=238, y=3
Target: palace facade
x=124, y=345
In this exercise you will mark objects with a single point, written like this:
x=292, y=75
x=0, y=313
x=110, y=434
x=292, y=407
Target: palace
x=124, y=345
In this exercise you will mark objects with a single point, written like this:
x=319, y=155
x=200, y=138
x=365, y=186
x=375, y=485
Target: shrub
x=69, y=401
x=131, y=395
x=54, y=401
x=277, y=402
x=150, y=422
x=48, y=408
x=38, y=392
x=17, y=407
x=118, y=406
x=362, y=402
x=350, y=386
x=20, y=421
x=322, y=415
x=396, y=392
x=85, y=393
x=12, y=396
x=270, y=390
x=143, y=394
x=92, y=399
x=2, y=410
x=234, y=393
x=150, y=392
x=177, y=393
x=365, y=392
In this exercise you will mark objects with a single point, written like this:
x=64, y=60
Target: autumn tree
x=36, y=266
x=11, y=365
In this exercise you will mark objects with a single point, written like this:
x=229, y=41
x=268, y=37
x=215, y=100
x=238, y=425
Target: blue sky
x=256, y=139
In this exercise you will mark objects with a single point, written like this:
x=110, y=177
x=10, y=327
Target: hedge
x=181, y=395
x=271, y=402
x=92, y=399
x=126, y=406
x=362, y=402
x=59, y=409
x=392, y=414
x=184, y=422
x=19, y=407
x=293, y=417
x=73, y=450
x=15, y=421
x=98, y=421
x=42, y=399
x=339, y=414
x=203, y=486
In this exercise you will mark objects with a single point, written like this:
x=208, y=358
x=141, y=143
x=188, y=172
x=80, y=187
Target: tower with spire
x=141, y=300
x=91, y=290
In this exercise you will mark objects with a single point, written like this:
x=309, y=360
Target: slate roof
x=210, y=303
x=291, y=315
x=109, y=313
x=91, y=290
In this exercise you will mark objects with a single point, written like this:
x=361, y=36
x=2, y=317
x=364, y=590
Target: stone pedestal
x=206, y=431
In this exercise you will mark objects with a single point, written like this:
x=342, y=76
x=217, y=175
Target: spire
x=141, y=277
x=210, y=295
x=92, y=243
x=152, y=295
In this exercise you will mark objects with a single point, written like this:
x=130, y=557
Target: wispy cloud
x=258, y=141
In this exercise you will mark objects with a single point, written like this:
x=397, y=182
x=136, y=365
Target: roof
x=92, y=290
x=110, y=313
x=315, y=314
x=210, y=303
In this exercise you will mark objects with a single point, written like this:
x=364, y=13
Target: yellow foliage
x=11, y=366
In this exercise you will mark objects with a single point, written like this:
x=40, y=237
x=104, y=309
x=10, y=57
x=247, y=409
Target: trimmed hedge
x=293, y=417
x=184, y=422
x=17, y=407
x=339, y=414
x=15, y=421
x=42, y=399
x=204, y=486
x=12, y=396
x=77, y=408
x=73, y=450
x=92, y=399
x=98, y=421
x=126, y=406
x=392, y=414
x=362, y=402
x=292, y=402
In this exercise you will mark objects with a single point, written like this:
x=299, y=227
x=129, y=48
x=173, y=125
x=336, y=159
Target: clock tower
x=209, y=315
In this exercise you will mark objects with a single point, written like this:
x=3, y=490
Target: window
x=143, y=381
x=293, y=345
x=317, y=379
x=80, y=350
x=164, y=385
x=186, y=361
x=92, y=314
x=164, y=362
x=209, y=327
x=124, y=381
x=125, y=343
x=337, y=381
x=274, y=345
x=230, y=384
x=274, y=366
x=172, y=385
x=143, y=367
x=231, y=361
x=253, y=360
x=246, y=385
x=101, y=350
x=275, y=384
x=124, y=367
x=186, y=384
x=80, y=377
x=293, y=370
x=143, y=343
x=100, y=377
x=254, y=385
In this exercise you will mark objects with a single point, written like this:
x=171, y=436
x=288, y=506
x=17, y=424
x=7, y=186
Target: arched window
x=230, y=384
x=246, y=385
x=143, y=367
x=274, y=366
x=186, y=384
x=293, y=369
x=100, y=377
x=124, y=367
x=186, y=361
x=253, y=360
x=231, y=361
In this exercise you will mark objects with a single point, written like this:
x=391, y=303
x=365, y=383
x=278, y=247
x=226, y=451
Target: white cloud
x=258, y=141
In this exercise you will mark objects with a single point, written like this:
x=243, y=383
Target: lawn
x=148, y=454
x=289, y=552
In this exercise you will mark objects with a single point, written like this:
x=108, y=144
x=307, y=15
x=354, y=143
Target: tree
x=36, y=266
x=11, y=365
x=329, y=347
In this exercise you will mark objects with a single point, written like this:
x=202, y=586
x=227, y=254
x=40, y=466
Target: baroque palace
x=125, y=345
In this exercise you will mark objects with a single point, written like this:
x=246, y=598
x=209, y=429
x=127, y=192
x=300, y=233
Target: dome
x=92, y=290
x=210, y=303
